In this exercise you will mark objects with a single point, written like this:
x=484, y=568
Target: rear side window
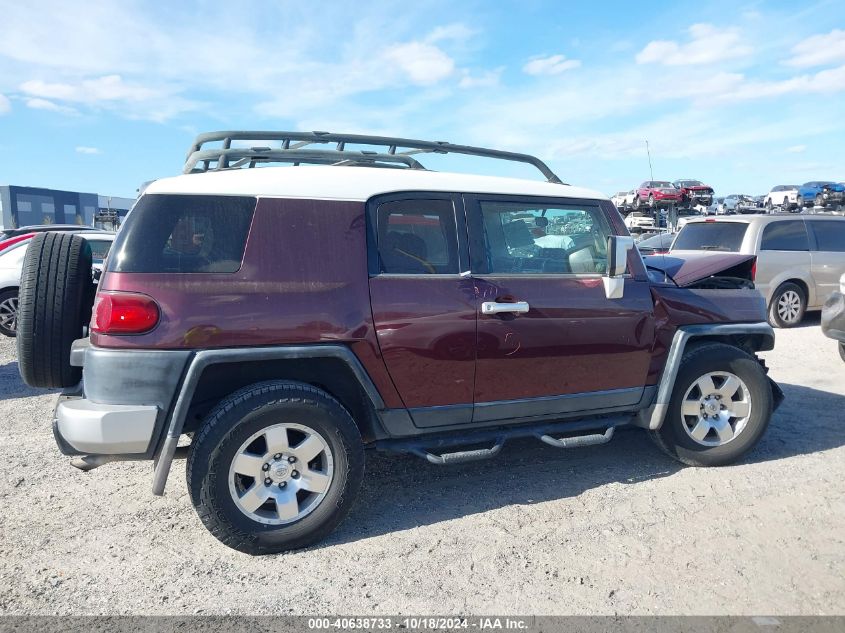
x=790, y=235
x=99, y=249
x=417, y=236
x=711, y=236
x=183, y=234
x=830, y=236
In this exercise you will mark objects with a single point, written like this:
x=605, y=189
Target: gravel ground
x=615, y=529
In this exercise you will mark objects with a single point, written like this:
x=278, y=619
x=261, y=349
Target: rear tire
x=262, y=427
x=54, y=305
x=728, y=435
x=788, y=305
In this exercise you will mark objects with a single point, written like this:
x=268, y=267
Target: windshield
x=711, y=236
x=690, y=183
x=663, y=184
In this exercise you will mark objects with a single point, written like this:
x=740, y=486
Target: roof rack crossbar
x=295, y=141
x=237, y=157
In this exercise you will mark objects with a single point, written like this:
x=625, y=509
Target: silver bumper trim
x=105, y=429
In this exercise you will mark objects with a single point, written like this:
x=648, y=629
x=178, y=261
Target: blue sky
x=104, y=95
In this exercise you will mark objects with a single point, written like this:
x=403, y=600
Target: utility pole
x=648, y=151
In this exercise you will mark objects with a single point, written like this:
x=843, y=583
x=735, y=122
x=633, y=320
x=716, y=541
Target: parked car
x=619, y=200
x=783, y=196
x=821, y=193
x=833, y=317
x=5, y=234
x=799, y=259
x=738, y=203
x=287, y=318
x=655, y=243
x=656, y=193
x=637, y=221
x=11, y=263
x=694, y=193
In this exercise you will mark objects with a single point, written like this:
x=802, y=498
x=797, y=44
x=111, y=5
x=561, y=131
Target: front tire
x=276, y=466
x=788, y=306
x=720, y=407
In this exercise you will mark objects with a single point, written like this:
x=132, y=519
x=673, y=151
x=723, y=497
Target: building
x=23, y=206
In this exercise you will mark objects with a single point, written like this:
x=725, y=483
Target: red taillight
x=15, y=240
x=124, y=313
x=754, y=270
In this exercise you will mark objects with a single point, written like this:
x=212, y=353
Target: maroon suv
x=656, y=193
x=285, y=319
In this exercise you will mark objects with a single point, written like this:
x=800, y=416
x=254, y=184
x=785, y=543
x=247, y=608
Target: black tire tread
x=201, y=479
x=55, y=282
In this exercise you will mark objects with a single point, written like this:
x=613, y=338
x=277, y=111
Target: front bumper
x=833, y=317
x=103, y=429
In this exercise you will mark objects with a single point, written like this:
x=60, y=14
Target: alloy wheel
x=9, y=314
x=789, y=306
x=716, y=408
x=281, y=473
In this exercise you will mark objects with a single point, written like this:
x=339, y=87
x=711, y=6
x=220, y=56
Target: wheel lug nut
x=292, y=459
x=283, y=484
x=295, y=474
x=265, y=467
x=268, y=481
x=277, y=456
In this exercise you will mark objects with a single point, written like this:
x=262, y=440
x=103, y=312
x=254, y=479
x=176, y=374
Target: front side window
x=417, y=236
x=790, y=235
x=184, y=234
x=526, y=237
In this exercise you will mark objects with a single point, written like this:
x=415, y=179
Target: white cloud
x=818, y=50
x=708, y=44
x=796, y=149
x=43, y=104
x=5, y=105
x=550, y=65
x=107, y=88
x=486, y=79
x=84, y=149
x=424, y=64
x=455, y=32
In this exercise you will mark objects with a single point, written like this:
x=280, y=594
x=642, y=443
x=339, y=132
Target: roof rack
x=295, y=148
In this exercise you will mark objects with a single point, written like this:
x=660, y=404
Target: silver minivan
x=799, y=259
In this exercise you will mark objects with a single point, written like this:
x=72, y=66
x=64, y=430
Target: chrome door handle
x=492, y=307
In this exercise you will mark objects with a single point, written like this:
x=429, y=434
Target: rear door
x=784, y=254
x=827, y=255
x=568, y=348
x=424, y=309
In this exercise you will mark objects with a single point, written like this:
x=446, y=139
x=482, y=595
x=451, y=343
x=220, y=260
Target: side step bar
x=428, y=447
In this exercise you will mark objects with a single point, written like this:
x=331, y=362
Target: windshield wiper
x=712, y=247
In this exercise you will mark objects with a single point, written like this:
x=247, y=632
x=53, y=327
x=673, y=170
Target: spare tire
x=54, y=306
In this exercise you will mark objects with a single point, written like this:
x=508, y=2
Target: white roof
x=326, y=182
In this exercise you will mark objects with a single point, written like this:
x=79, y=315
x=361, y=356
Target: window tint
x=536, y=238
x=99, y=249
x=711, y=236
x=417, y=237
x=183, y=234
x=830, y=236
x=785, y=236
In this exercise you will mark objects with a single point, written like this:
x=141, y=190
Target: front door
x=566, y=348
x=424, y=309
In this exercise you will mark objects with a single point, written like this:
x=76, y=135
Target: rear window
x=711, y=236
x=183, y=234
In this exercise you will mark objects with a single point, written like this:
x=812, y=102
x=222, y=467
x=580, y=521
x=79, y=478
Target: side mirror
x=617, y=263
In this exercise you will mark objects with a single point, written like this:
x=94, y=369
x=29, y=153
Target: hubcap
x=281, y=473
x=789, y=306
x=9, y=314
x=716, y=408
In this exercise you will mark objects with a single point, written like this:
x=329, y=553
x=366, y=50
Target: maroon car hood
x=688, y=267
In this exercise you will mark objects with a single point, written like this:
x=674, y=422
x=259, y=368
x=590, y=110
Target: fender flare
x=205, y=358
x=652, y=417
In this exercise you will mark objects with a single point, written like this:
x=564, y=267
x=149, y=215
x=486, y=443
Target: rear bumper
x=833, y=317
x=103, y=429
